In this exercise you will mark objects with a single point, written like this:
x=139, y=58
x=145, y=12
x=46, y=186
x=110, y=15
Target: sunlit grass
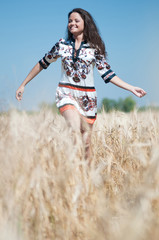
x=47, y=190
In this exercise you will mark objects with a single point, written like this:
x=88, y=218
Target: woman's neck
x=78, y=38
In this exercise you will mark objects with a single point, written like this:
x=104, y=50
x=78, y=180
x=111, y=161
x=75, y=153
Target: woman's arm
x=139, y=92
x=35, y=71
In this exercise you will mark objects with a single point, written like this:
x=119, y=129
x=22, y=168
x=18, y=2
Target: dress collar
x=83, y=43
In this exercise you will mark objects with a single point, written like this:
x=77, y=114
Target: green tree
x=109, y=104
x=126, y=105
x=129, y=104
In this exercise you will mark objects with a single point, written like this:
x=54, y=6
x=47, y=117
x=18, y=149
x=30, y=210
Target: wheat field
x=48, y=191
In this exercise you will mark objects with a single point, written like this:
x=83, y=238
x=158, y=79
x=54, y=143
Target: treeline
x=124, y=105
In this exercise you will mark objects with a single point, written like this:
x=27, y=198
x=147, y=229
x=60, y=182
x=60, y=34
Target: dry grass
x=47, y=190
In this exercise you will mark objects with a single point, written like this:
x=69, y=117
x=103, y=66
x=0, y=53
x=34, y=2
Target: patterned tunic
x=76, y=87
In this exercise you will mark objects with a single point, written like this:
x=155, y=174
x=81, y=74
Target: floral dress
x=76, y=88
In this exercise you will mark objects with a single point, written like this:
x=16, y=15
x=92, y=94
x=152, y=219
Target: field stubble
x=47, y=190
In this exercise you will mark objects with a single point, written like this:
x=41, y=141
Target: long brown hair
x=91, y=32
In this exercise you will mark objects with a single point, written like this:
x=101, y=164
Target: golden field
x=48, y=191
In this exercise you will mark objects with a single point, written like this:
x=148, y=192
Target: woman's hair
x=91, y=32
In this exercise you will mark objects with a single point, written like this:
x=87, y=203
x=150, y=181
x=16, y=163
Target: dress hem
x=71, y=106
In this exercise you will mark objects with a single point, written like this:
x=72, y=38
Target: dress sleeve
x=51, y=56
x=103, y=68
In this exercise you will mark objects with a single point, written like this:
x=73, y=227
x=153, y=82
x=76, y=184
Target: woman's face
x=75, y=24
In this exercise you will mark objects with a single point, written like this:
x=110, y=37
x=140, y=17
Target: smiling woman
x=90, y=30
x=80, y=52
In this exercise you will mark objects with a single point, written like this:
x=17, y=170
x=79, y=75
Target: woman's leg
x=80, y=126
x=86, y=130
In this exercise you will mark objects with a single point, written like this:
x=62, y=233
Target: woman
x=80, y=52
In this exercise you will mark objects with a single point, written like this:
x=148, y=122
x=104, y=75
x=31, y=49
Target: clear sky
x=29, y=29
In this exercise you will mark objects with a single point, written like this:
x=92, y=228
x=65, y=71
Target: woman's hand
x=19, y=93
x=139, y=92
x=36, y=69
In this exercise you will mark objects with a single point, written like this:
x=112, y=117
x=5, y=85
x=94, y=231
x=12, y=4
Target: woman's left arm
x=139, y=92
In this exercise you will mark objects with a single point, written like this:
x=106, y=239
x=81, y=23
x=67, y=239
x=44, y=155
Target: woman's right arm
x=35, y=71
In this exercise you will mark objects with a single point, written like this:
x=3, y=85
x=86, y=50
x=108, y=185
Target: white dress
x=76, y=87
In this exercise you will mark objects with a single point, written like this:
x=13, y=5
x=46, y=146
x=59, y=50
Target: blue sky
x=29, y=29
